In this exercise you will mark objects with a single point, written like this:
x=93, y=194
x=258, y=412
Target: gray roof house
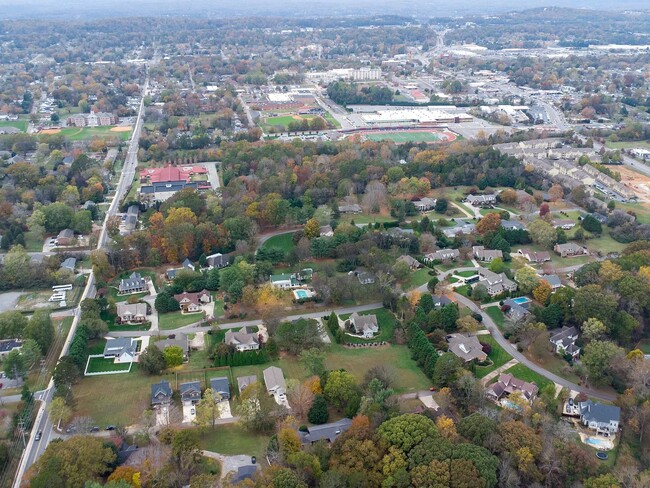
x=564, y=341
x=411, y=262
x=327, y=432
x=440, y=300
x=462, y=227
x=122, y=349
x=191, y=392
x=604, y=419
x=495, y=283
x=569, y=249
x=187, y=264
x=365, y=325
x=244, y=472
x=512, y=225
x=161, y=393
x=325, y=231
x=486, y=255
x=424, y=204
x=218, y=260
x=535, y=256
x=480, y=200
x=135, y=283
x=244, y=339
x=443, y=255
x=517, y=311
x=553, y=280
x=365, y=278
x=274, y=380
x=69, y=264
x=468, y=348
x=222, y=386
x=180, y=340
x=131, y=312
x=354, y=208
x=244, y=382
x=507, y=384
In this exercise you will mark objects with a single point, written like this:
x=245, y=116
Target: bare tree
x=375, y=196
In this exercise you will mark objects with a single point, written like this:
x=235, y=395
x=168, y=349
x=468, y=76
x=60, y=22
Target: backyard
x=495, y=314
x=418, y=278
x=100, y=365
x=280, y=241
x=524, y=373
x=232, y=439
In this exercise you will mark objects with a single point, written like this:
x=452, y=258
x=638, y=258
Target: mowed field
x=285, y=120
x=410, y=136
x=18, y=124
x=82, y=133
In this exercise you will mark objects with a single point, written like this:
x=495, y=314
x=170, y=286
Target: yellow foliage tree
x=542, y=292
x=312, y=229
x=447, y=428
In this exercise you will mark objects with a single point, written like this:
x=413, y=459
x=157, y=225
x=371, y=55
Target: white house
x=564, y=341
x=604, y=419
x=365, y=325
x=244, y=339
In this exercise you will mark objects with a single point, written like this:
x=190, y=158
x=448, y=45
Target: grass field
x=386, y=321
x=627, y=144
x=18, y=124
x=99, y=365
x=406, y=136
x=82, y=133
x=281, y=241
x=367, y=219
x=496, y=315
x=174, y=320
x=232, y=440
x=284, y=120
x=417, y=278
x=498, y=356
x=524, y=373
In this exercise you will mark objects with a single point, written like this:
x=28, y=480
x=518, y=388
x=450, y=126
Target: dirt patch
x=121, y=129
x=638, y=183
x=49, y=131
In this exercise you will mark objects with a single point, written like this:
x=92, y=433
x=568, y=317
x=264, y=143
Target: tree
x=477, y=428
x=542, y=233
x=527, y=279
x=556, y=193
x=597, y=359
x=490, y=223
x=407, y=431
x=318, y=413
x=603, y=481
x=58, y=216
x=312, y=229
x=467, y=324
x=592, y=301
x=152, y=360
x=58, y=411
x=480, y=292
x=173, y=356
x=446, y=369
x=300, y=397
x=295, y=337
x=77, y=459
x=257, y=410
x=542, y=292
x=208, y=409
x=31, y=353
x=314, y=360
x=593, y=329
x=544, y=210
x=165, y=303
x=341, y=389
x=591, y=224
x=497, y=266
x=15, y=365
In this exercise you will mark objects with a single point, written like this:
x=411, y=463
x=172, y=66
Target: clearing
x=174, y=320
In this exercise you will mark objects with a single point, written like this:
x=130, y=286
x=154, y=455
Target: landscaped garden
x=102, y=365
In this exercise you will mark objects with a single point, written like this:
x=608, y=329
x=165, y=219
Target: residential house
x=440, y=300
x=564, y=341
x=221, y=385
x=190, y=393
x=424, y=204
x=8, y=345
x=244, y=382
x=135, y=283
x=412, y=263
x=508, y=384
x=350, y=208
x=274, y=380
x=285, y=281
x=599, y=217
x=326, y=231
x=535, y=256
x=564, y=224
x=486, y=255
x=442, y=255
x=570, y=249
x=244, y=339
x=512, y=225
x=170, y=274
x=65, y=237
x=481, y=200
x=364, y=325
x=365, y=278
x=131, y=312
x=496, y=283
x=69, y=264
x=553, y=280
x=161, y=393
x=180, y=340
x=604, y=419
x=515, y=311
x=468, y=348
x=192, y=302
x=187, y=264
x=121, y=349
x=325, y=432
x=218, y=261
x=462, y=227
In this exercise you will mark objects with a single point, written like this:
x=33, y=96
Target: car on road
x=192, y=411
x=38, y=435
x=110, y=427
x=94, y=429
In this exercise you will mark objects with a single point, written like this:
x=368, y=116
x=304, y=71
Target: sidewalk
x=486, y=379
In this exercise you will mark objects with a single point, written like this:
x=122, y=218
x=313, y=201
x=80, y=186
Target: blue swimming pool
x=521, y=300
x=598, y=443
x=301, y=294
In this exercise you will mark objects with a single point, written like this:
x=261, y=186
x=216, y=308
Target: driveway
x=213, y=175
x=189, y=413
x=9, y=300
x=228, y=463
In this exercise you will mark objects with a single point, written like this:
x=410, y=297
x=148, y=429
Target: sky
x=286, y=8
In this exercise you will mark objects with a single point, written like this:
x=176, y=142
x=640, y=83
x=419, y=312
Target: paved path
x=487, y=378
x=467, y=214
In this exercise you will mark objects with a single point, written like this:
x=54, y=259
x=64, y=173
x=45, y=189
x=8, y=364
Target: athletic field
x=411, y=136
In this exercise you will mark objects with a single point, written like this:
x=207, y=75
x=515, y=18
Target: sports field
x=81, y=133
x=411, y=136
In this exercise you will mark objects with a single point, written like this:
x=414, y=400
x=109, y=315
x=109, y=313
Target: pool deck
x=606, y=443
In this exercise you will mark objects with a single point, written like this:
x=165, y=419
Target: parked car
x=110, y=427
x=94, y=429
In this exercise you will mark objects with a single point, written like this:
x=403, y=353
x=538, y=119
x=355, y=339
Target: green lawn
x=232, y=440
x=496, y=315
x=464, y=290
x=218, y=308
x=18, y=124
x=644, y=345
x=406, y=136
x=331, y=120
x=386, y=321
x=417, y=278
x=112, y=293
x=524, y=373
x=98, y=365
x=82, y=133
x=466, y=274
x=627, y=144
x=498, y=356
x=281, y=241
x=367, y=219
x=604, y=244
x=454, y=265
x=285, y=120
x=174, y=320
x=33, y=243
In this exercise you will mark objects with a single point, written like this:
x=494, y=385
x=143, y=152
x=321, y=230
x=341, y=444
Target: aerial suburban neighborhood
x=346, y=244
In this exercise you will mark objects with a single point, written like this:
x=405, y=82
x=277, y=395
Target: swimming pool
x=301, y=294
x=598, y=443
x=521, y=300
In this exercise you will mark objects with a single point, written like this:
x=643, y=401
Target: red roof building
x=171, y=173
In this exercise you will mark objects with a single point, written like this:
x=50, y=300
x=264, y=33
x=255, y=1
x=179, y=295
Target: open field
x=174, y=320
x=627, y=144
x=367, y=218
x=418, y=278
x=281, y=241
x=18, y=124
x=498, y=356
x=232, y=440
x=524, y=373
x=411, y=136
x=81, y=133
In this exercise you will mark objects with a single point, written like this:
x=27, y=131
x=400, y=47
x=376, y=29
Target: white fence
x=86, y=373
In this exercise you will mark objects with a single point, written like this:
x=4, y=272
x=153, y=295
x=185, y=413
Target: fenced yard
x=98, y=365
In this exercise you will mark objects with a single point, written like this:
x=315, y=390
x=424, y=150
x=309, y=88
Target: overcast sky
x=285, y=8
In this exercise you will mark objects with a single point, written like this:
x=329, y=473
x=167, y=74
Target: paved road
x=194, y=328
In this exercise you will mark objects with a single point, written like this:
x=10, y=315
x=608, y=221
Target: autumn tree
x=542, y=233
x=341, y=389
x=208, y=410
x=490, y=223
x=527, y=279
x=593, y=329
x=311, y=229
x=542, y=292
